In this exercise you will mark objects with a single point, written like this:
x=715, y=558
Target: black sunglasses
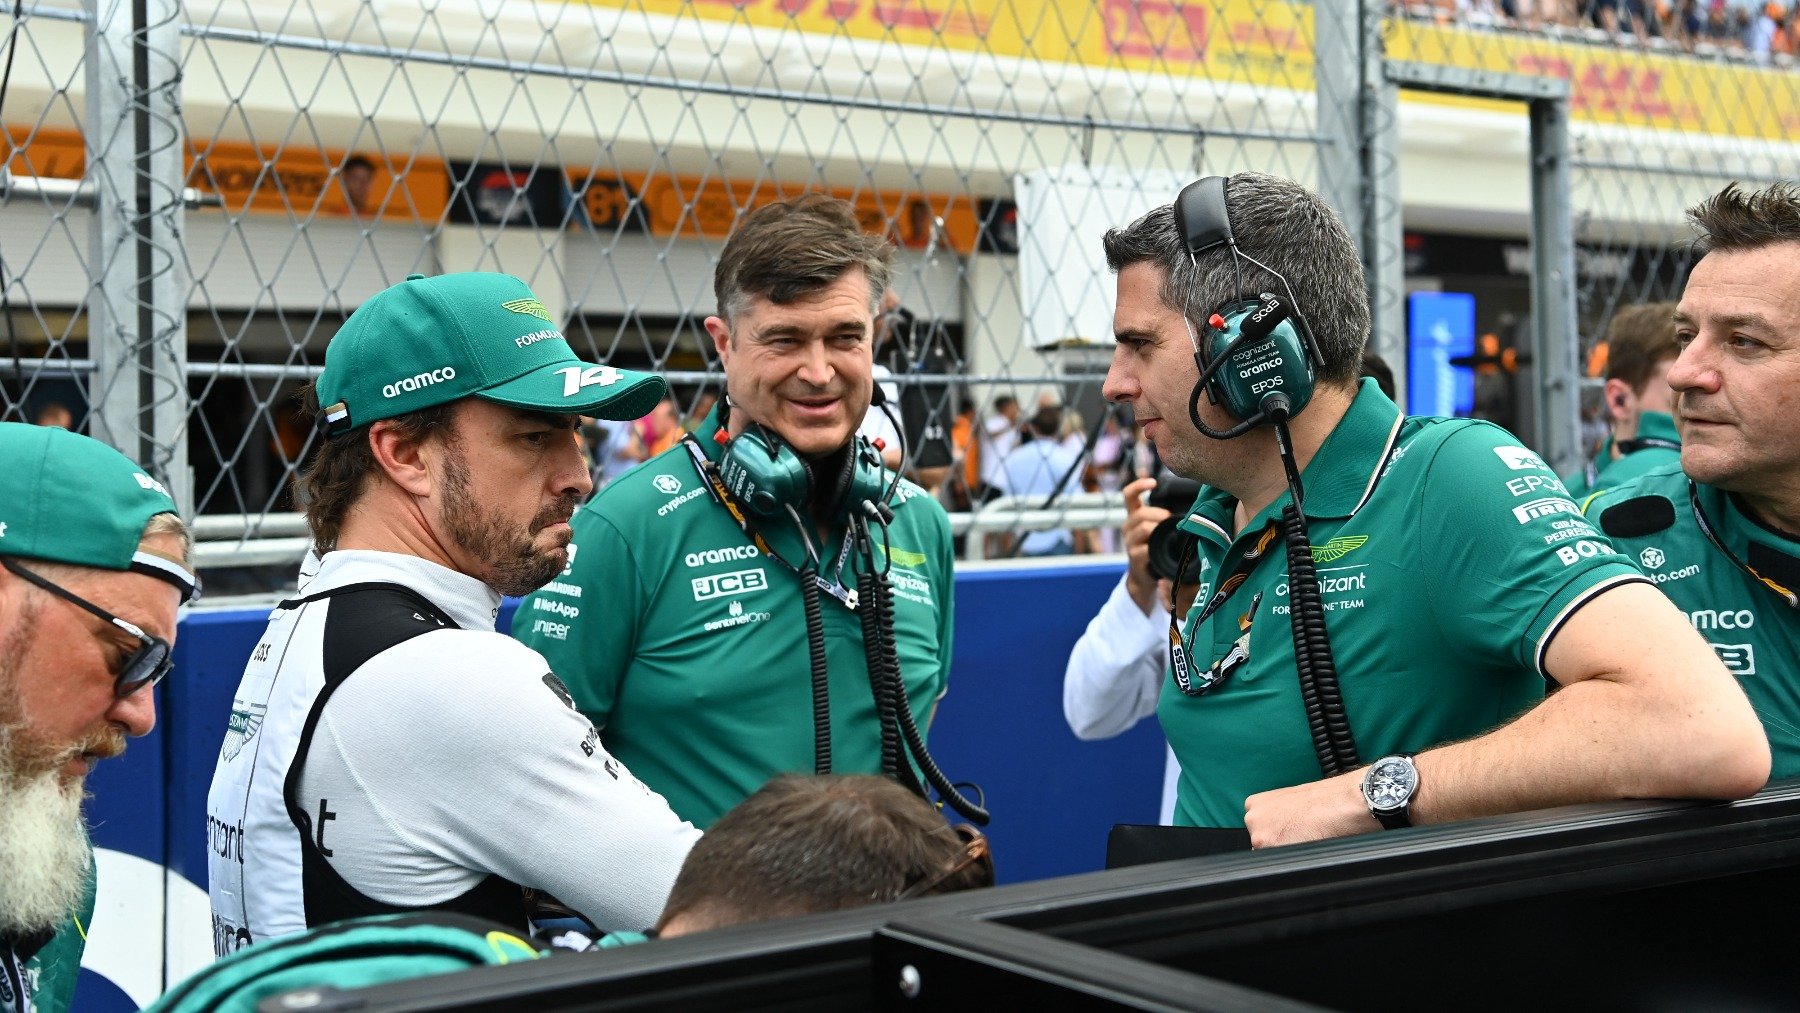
x=145, y=666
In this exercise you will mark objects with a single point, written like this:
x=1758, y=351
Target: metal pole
x=1337, y=79
x=137, y=329
x=1556, y=356
x=1383, y=224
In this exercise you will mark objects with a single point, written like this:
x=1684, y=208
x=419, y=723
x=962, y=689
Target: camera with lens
x=1167, y=542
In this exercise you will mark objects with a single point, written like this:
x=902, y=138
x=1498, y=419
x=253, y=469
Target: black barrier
x=1644, y=906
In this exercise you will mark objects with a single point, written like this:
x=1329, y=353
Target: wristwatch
x=1389, y=787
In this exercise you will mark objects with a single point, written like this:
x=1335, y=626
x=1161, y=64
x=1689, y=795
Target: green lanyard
x=1181, y=648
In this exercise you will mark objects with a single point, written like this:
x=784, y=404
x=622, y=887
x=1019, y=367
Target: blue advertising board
x=1440, y=326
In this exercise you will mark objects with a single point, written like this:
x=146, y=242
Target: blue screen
x=1440, y=326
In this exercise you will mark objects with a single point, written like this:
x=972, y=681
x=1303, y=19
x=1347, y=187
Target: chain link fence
x=198, y=194
x=1668, y=103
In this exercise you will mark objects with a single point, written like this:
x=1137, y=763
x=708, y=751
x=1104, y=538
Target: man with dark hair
x=1721, y=533
x=358, y=179
x=388, y=750
x=695, y=658
x=93, y=565
x=807, y=845
x=1454, y=576
x=1640, y=347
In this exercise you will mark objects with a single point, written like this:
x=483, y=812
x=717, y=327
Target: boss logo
x=720, y=585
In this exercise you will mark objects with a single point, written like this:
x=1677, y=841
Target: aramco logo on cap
x=529, y=307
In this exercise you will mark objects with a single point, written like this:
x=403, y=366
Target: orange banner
x=708, y=207
x=297, y=182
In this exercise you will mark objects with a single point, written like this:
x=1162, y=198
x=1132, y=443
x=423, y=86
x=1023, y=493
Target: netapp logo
x=720, y=585
x=418, y=380
x=729, y=554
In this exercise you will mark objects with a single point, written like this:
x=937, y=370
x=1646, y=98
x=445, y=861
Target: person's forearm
x=1596, y=739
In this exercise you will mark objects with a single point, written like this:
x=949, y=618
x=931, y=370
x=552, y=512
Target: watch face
x=1390, y=783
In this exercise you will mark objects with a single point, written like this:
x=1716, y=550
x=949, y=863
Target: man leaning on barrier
x=1720, y=533
x=1440, y=577
x=387, y=749
x=93, y=565
x=706, y=585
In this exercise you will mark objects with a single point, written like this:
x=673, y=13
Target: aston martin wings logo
x=529, y=307
x=1338, y=548
x=241, y=727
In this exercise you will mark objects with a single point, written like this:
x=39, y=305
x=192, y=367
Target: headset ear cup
x=1281, y=362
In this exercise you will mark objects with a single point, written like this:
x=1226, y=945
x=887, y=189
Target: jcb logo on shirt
x=1739, y=659
x=738, y=582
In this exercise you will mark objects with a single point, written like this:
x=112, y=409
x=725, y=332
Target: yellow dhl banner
x=1271, y=43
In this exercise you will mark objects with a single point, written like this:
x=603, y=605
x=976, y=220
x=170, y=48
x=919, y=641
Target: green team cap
x=70, y=499
x=428, y=341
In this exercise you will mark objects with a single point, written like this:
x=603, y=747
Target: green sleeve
x=585, y=621
x=1515, y=555
x=58, y=963
x=944, y=580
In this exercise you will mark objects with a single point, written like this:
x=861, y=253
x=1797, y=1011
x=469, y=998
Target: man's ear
x=721, y=335
x=1621, y=400
x=402, y=459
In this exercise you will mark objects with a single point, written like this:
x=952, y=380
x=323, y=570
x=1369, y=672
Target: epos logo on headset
x=738, y=582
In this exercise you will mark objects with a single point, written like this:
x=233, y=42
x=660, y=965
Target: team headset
x=760, y=478
x=1257, y=359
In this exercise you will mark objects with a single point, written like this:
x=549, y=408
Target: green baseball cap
x=70, y=499
x=428, y=341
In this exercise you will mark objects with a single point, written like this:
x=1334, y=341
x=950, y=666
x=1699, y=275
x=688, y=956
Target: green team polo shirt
x=1448, y=556
x=688, y=648
x=58, y=964
x=1754, y=627
x=1605, y=473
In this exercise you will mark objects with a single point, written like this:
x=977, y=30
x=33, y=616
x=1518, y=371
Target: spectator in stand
x=999, y=435
x=1034, y=470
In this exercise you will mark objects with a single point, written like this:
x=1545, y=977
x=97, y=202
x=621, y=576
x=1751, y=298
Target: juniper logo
x=529, y=307
x=418, y=380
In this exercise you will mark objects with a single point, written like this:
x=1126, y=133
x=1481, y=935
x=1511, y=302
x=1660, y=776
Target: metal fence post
x=1383, y=239
x=1556, y=356
x=137, y=300
x=1337, y=79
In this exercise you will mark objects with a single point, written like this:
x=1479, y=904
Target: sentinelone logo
x=414, y=382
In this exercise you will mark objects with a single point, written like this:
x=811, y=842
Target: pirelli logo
x=738, y=582
x=1549, y=506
